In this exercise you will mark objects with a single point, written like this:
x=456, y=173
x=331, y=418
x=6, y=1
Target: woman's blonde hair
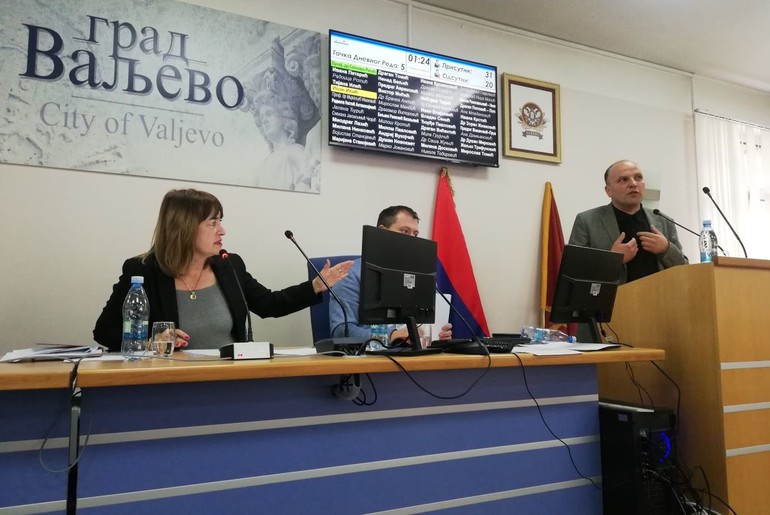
x=173, y=241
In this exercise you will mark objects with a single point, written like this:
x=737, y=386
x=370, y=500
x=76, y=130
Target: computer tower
x=638, y=460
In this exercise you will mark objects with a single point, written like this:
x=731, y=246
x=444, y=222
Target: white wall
x=66, y=233
x=732, y=101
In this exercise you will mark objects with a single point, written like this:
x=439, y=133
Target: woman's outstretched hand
x=332, y=275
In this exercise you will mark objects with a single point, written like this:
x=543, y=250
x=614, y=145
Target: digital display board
x=391, y=98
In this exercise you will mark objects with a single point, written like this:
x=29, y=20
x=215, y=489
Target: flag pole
x=546, y=222
x=445, y=173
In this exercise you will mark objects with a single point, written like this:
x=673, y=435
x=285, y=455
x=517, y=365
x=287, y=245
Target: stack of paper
x=561, y=348
x=53, y=351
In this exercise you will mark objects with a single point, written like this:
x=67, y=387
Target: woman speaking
x=189, y=283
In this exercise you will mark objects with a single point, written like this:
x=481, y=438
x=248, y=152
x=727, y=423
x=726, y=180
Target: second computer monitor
x=586, y=287
x=398, y=280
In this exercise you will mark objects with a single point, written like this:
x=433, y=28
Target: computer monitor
x=586, y=287
x=398, y=284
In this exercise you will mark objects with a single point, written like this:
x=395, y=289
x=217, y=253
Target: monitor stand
x=593, y=327
x=414, y=349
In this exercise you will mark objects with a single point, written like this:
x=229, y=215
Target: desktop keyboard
x=505, y=344
x=495, y=345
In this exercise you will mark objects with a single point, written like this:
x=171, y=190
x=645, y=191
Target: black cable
x=686, y=483
x=695, y=492
x=674, y=490
x=72, y=387
x=708, y=487
x=682, y=469
x=629, y=369
x=331, y=333
x=484, y=373
x=632, y=376
x=714, y=496
x=361, y=399
x=542, y=417
x=47, y=436
x=678, y=393
x=639, y=388
x=678, y=499
x=74, y=374
x=666, y=481
x=617, y=338
x=697, y=503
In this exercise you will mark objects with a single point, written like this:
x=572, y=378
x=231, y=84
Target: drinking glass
x=163, y=339
x=426, y=335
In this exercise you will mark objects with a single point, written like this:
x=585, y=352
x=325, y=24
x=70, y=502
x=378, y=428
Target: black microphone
x=662, y=215
x=329, y=344
x=707, y=191
x=249, y=333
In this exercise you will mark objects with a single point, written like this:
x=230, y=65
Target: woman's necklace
x=193, y=294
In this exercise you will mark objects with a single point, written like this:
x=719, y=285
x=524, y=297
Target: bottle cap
x=707, y=222
x=137, y=279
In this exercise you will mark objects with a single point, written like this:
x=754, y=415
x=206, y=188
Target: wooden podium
x=712, y=321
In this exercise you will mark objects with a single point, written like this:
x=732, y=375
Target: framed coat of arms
x=532, y=120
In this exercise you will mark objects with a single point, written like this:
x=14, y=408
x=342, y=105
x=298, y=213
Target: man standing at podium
x=648, y=242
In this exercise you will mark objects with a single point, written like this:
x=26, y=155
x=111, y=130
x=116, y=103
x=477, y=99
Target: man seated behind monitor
x=394, y=218
x=648, y=242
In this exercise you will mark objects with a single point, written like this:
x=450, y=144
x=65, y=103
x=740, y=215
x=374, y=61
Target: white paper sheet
x=53, y=352
x=561, y=348
x=442, y=315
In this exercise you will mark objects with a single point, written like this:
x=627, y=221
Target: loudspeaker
x=638, y=460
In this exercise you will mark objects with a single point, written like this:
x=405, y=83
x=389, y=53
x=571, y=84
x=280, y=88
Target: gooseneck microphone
x=663, y=215
x=707, y=191
x=330, y=343
x=660, y=213
x=249, y=333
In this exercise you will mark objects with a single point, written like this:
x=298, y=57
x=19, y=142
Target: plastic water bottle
x=379, y=338
x=136, y=314
x=708, y=243
x=541, y=335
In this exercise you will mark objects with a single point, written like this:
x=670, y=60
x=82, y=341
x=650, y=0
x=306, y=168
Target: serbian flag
x=454, y=272
x=552, y=250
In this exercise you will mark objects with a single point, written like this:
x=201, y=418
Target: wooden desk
x=268, y=436
x=186, y=368
x=711, y=320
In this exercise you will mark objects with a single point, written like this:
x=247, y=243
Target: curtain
x=732, y=162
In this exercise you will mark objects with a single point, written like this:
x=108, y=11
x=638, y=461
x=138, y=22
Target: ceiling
x=718, y=39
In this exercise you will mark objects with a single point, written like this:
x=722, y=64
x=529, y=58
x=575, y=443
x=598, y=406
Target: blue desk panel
x=289, y=446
